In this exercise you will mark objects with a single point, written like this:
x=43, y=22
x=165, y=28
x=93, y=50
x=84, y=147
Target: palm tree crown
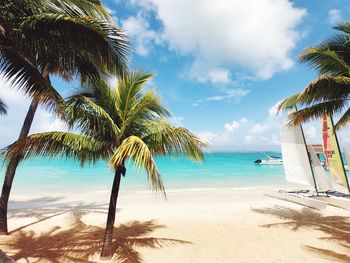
x=67, y=37
x=117, y=123
x=330, y=92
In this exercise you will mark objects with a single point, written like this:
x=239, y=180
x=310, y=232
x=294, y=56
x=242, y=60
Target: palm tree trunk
x=107, y=248
x=13, y=163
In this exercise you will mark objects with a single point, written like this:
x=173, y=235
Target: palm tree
x=116, y=124
x=69, y=38
x=330, y=92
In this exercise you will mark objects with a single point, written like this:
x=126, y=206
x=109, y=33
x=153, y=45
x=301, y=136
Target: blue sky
x=221, y=66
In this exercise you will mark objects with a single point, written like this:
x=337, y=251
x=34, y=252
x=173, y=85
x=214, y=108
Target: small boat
x=270, y=160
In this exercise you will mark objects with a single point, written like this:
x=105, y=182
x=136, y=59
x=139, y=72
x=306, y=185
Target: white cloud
x=215, y=75
x=266, y=133
x=231, y=127
x=219, y=75
x=334, y=16
x=256, y=35
x=248, y=139
x=138, y=29
x=259, y=128
x=243, y=120
x=235, y=95
x=220, y=140
x=18, y=106
x=243, y=134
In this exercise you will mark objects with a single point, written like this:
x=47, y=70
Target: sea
x=218, y=170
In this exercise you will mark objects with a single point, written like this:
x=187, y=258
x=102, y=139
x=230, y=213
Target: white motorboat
x=270, y=160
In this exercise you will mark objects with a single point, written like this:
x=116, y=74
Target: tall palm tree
x=69, y=38
x=330, y=92
x=116, y=124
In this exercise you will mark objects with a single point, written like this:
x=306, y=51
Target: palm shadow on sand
x=40, y=214
x=82, y=242
x=336, y=228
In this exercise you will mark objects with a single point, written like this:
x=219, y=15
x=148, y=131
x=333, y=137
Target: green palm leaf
x=87, y=7
x=59, y=144
x=330, y=92
x=25, y=77
x=325, y=60
x=165, y=139
x=344, y=120
x=288, y=103
x=133, y=147
x=90, y=117
x=325, y=88
x=96, y=36
x=317, y=110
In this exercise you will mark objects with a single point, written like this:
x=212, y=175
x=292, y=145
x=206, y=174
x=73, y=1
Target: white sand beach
x=213, y=225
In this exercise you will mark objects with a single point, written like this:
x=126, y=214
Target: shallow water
x=229, y=170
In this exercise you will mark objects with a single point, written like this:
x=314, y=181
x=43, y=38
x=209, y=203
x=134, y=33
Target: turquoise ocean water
x=219, y=170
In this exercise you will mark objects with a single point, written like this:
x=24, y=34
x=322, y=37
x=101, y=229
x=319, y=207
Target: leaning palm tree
x=69, y=38
x=116, y=124
x=330, y=92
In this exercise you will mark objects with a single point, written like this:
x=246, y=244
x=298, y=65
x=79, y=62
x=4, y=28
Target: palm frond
x=129, y=89
x=25, y=77
x=98, y=40
x=325, y=88
x=343, y=27
x=145, y=109
x=344, y=120
x=288, y=103
x=79, y=8
x=90, y=118
x=134, y=148
x=317, y=110
x=165, y=139
x=60, y=144
x=325, y=61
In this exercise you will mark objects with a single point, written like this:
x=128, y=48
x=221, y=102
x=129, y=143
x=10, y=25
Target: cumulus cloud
x=208, y=137
x=138, y=29
x=231, y=127
x=266, y=133
x=220, y=140
x=335, y=16
x=245, y=134
x=259, y=128
x=256, y=35
x=204, y=74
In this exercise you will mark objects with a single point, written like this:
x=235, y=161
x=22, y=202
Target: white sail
x=322, y=182
x=295, y=156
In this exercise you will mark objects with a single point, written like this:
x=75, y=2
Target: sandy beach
x=207, y=225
